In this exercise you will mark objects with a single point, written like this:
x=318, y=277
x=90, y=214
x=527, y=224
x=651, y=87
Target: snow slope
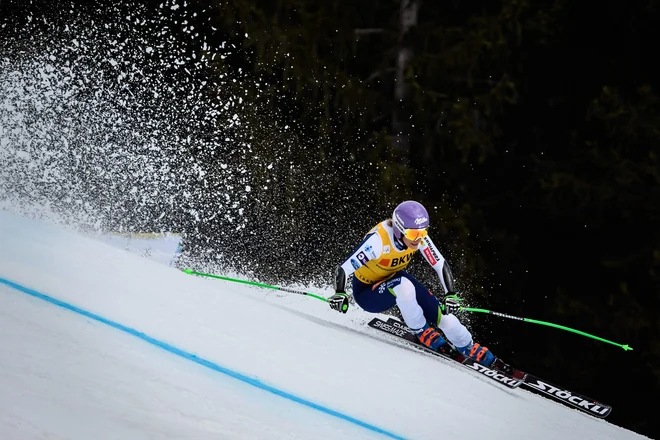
x=101, y=343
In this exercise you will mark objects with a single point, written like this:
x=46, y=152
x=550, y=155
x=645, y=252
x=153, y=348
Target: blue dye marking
x=200, y=361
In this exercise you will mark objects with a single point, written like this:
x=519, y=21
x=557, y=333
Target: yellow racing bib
x=388, y=263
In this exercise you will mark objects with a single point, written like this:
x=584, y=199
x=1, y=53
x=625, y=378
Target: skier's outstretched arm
x=371, y=248
x=441, y=266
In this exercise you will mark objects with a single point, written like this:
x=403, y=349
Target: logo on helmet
x=420, y=220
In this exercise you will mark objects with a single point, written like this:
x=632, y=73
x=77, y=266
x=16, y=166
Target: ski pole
x=549, y=324
x=252, y=283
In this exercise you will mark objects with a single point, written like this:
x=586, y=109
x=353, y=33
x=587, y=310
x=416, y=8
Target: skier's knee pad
x=456, y=332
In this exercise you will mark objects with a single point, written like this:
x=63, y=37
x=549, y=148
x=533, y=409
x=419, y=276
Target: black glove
x=339, y=302
x=450, y=304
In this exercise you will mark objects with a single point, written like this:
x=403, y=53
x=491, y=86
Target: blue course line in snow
x=201, y=361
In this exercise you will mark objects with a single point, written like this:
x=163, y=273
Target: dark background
x=529, y=129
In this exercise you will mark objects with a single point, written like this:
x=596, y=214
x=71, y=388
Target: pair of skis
x=501, y=373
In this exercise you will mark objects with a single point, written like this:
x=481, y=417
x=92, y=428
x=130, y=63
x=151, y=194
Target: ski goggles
x=415, y=234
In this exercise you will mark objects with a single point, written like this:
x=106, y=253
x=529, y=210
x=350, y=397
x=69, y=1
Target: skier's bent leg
x=413, y=315
x=460, y=336
x=456, y=332
x=406, y=299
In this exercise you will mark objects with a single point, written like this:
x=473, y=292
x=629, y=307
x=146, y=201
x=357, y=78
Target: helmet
x=409, y=215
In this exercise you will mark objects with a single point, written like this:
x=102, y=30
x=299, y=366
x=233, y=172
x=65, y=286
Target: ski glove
x=450, y=304
x=339, y=302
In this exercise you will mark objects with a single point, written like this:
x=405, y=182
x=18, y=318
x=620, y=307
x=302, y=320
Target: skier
x=380, y=282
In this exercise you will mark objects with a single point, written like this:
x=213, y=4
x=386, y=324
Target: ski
x=529, y=381
x=395, y=328
x=568, y=398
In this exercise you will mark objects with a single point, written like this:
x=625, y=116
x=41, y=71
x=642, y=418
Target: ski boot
x=431, y=338
x=478, y=353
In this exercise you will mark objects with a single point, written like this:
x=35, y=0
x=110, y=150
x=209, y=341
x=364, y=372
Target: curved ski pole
x=549, y=324
x=252, y=283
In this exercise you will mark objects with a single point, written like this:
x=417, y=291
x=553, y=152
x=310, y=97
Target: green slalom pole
x=252, y=283
x=549, y=324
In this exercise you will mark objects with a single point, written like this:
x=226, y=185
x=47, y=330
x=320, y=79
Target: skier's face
x=412, y=244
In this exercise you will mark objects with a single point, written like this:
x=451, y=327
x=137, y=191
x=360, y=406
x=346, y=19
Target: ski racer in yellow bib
x=380, y=282
x=392, y=259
